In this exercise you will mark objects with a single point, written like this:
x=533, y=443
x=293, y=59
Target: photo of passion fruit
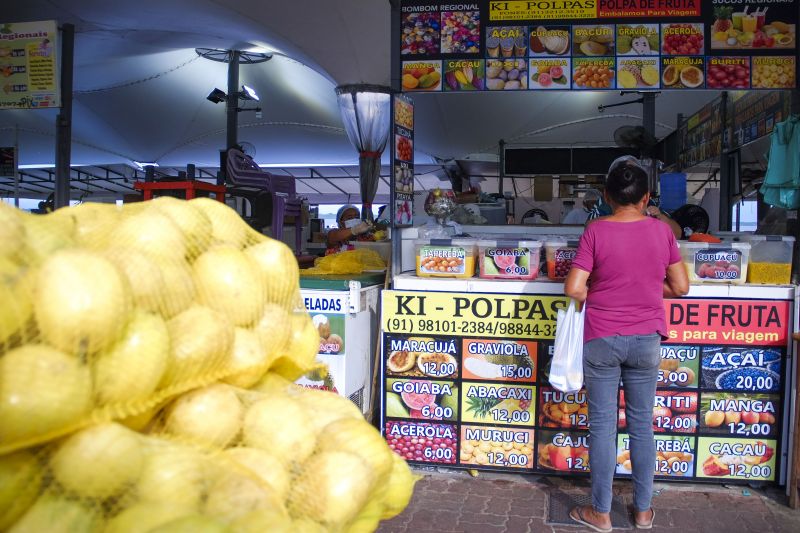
x=683, y=76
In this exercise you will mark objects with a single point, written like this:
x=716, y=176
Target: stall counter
x=465, y=381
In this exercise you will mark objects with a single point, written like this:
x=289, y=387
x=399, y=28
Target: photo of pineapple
x=499, y=404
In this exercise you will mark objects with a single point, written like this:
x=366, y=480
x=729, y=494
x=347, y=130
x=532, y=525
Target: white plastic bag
x=566, y=370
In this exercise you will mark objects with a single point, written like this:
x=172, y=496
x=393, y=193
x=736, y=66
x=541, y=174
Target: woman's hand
x=361, y=228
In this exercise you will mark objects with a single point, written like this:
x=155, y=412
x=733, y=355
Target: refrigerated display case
x=345, y=311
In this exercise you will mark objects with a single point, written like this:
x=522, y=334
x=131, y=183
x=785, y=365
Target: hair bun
x=628, y=176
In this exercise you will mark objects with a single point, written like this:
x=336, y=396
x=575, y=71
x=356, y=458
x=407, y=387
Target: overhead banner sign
x=598, y=45
x=29, y=65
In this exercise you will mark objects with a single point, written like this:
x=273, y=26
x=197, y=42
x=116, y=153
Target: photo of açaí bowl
x=748, y=378
x=712, y=370
x=775, y=367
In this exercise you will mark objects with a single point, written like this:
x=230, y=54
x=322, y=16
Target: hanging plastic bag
x=566, y=370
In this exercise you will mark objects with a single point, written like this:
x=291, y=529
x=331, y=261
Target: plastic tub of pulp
x=715, y=262
x=770, y=259
x=559, y=255
x=509, y=259
x=446, y=258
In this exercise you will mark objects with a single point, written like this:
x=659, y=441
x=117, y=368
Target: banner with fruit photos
x=403, y=161
x=465, y=381
x=597, y=45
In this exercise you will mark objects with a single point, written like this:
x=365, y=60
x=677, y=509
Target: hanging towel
x=781, y=186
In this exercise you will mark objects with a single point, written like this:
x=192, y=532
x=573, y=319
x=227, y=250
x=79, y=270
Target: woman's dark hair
x=627, y=184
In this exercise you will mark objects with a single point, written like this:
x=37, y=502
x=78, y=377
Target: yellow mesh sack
x=325, y=462
x=109, y=311
x=109, y=478
x=347, y=262
x=217, y=458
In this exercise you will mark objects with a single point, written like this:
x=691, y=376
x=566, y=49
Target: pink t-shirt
x=627, y=263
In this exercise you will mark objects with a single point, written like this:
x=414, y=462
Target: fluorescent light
x=248, y=93
x=36, y=166
x=142, y=165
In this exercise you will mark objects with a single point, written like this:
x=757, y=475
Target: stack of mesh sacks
x=147, y=355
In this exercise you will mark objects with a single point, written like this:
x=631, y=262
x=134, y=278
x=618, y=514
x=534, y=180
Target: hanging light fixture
x=366, y=113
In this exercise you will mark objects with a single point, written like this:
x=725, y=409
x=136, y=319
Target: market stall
x=466, y=353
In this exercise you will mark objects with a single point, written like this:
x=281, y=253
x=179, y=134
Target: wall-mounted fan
x=635, y=137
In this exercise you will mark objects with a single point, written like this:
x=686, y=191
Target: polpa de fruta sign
x=466, y=384
x=598, y=45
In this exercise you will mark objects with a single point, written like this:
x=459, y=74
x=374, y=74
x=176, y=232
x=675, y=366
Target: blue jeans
x=635, y=359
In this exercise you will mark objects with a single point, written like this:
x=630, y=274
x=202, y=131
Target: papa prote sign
x=739, y=322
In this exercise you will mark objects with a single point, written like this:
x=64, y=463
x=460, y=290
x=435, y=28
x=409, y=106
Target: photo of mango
x=422, y=75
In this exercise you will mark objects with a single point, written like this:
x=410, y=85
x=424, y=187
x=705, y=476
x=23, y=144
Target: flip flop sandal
x=577, y=516
x=648, y=525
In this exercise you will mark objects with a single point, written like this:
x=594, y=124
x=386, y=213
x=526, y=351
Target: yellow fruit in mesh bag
x=12, y=231
x=226, y=224
x=93, y=223
x=211, y=415
x=143, y=275
x=81, y=302
x=150, y=232
x=300, y=352
x=41, y=390
x=55, y=514
x=264, y=520
x=248, y=360
x=16, y=293
x=331, y=488
x=200, y=339
x=306, y=525
x=193, y=222
x=99, y=461
x=264, y=465
x=273, y=328
x=139, y=421
x=360, y=438
x=143, y=517
x=325, y=407
x=132, y=368
x=278, y=268
x=295, y=439
x=179, y=291
x=399, y=488
x=273, y=383
x=229, y=281
x=235, y=494
x=45, y=234
x=194, y=523
x=172, y=474
x=367, y=520
x=20, y=480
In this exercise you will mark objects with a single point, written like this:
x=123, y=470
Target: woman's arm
x=655, y=212
x=676, y=284
x=338, y=236
x=575, y=285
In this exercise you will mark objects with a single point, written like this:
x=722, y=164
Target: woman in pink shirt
x=626, y=264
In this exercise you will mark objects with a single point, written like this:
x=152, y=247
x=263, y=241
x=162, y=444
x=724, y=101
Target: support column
x=233, y=99
x=64, y=118
x=725, y=175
